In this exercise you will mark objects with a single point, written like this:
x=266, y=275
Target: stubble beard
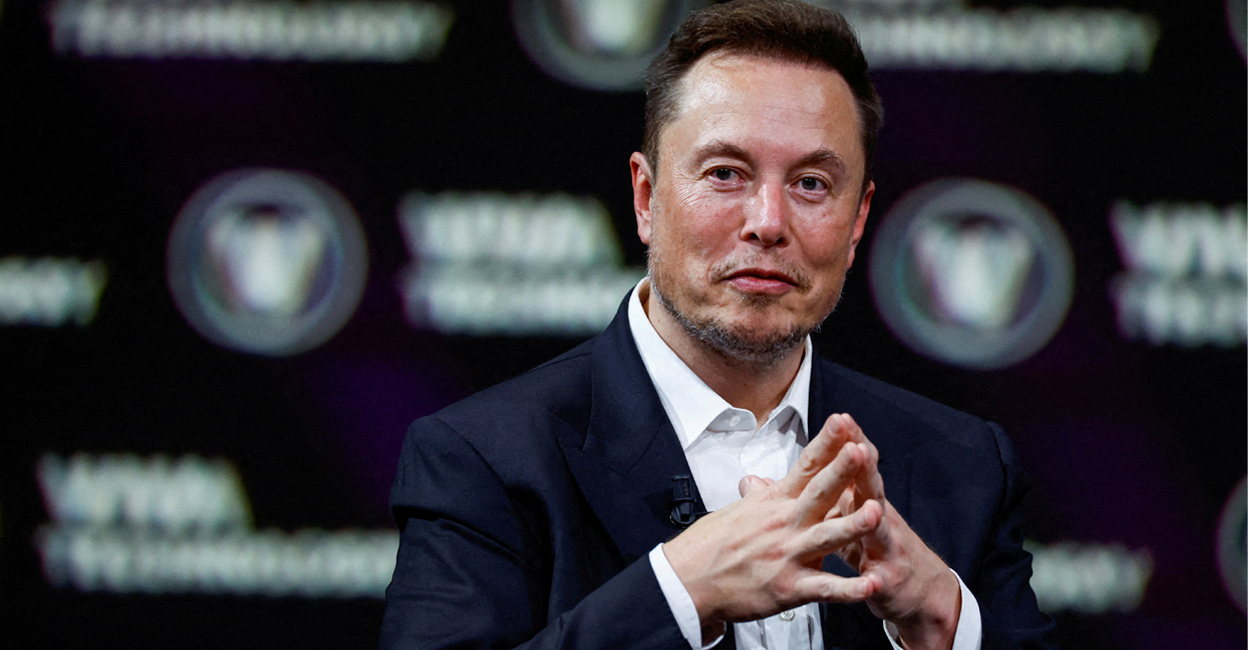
x=760, y=350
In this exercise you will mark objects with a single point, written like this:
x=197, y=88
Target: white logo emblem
x=974, y=272
x=267, y=261
x=597, y=44
x=971, y=273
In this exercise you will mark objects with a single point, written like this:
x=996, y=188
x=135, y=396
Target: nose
x=766, y=216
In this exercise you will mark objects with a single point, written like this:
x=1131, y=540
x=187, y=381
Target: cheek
x=696, y=235
x=827, y=246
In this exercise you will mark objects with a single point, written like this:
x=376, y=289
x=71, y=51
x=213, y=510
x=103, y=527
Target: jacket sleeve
x=1008, y=611
x=475, y=568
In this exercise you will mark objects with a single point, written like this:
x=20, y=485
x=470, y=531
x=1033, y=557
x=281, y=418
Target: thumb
x=750, y=483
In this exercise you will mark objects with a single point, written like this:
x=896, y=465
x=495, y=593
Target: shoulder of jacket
x=854, y=388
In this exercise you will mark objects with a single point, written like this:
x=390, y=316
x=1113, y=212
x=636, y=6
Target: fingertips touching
x=868, y=516
x=835, y=430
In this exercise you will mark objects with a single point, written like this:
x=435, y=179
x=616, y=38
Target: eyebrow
x=824, y=156
x=717, y=148
x=820, y=156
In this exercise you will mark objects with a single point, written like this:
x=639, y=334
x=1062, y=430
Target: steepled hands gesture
x=764, y=553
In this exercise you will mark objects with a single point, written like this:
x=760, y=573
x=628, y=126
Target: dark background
x=1128, y=443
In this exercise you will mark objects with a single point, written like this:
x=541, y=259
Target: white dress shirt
x=723, y=444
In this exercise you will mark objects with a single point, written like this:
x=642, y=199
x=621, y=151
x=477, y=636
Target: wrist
x=933, y=626
x=686, y=564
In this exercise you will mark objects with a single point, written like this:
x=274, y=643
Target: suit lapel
x=625, y=463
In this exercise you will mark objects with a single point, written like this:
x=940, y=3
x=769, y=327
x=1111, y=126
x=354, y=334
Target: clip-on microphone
x=683, y=501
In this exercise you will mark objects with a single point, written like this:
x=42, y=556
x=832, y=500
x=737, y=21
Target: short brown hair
x=778, y=29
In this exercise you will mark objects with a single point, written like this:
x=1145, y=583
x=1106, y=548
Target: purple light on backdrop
x=369, y=403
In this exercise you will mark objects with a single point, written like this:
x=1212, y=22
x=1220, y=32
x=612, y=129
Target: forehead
x=750, y=97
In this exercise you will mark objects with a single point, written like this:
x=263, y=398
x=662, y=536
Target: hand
x=912, y=586
x=763, y=554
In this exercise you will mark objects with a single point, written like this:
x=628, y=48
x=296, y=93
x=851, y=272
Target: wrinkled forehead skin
x=692, y=86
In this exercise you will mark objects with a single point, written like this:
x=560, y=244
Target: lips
x=761, y=281
x=764, y=274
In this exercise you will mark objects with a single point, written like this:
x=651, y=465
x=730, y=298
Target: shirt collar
x=691, y=405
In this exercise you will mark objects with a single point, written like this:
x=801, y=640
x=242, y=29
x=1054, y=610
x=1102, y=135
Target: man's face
x=757, y=208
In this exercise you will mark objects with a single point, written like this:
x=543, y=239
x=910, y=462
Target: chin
x=759, y=340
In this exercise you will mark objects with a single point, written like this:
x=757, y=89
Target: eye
x=723, y=174
x=811, y=184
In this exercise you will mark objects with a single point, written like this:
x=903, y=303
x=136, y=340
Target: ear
x=643, y=194
x=860, y=222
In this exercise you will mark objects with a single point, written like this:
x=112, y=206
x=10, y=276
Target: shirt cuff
x=679, y=601
x=970, y=631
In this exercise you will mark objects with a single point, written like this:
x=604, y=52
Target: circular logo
x=597, y=44
x=267, y=261
x=971, y=273
x=1233, y=545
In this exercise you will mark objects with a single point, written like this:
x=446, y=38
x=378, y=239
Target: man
x=547, y=511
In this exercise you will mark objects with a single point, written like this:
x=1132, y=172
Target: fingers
x=832, y=534
x=827, y=490
x=838, y=430
x=868, y=482
x=750, y=483
x=826, y=537
x=831, y=588
x=821, y=451
x=883, y=537
x=844, y=505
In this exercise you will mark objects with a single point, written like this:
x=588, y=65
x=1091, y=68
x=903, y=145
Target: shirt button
x=734, y=420
x=786, y=615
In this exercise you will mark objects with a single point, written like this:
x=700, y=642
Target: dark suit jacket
x=526, y=511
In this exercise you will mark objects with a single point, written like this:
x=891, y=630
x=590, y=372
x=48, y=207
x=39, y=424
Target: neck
x=745, y=384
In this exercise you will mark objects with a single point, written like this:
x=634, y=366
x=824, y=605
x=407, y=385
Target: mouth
x=761, y=281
